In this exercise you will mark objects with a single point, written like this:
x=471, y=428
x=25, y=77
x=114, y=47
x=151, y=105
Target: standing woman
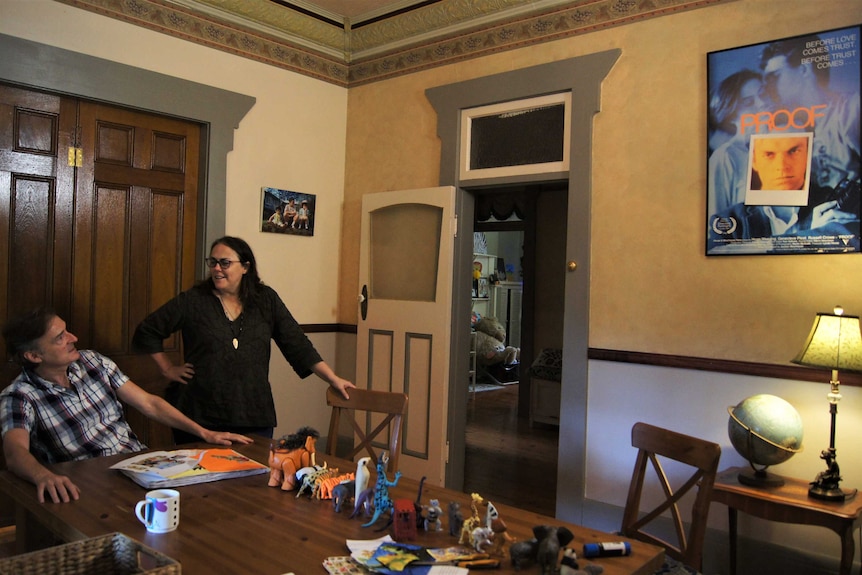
x=227, y=322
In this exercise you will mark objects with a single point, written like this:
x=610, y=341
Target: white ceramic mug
x=160, y=511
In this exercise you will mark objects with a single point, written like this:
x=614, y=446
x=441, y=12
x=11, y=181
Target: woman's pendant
x=235, y=343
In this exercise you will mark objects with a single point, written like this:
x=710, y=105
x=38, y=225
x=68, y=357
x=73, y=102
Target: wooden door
x=406, y=253
x=104, y=242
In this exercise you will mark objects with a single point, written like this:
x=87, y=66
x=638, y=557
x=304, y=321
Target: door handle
x=363, y=302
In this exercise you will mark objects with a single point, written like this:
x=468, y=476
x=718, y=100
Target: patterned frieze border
x=207, y=29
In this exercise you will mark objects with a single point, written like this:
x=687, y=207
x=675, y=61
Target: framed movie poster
x=287, y=212
x=783, y=143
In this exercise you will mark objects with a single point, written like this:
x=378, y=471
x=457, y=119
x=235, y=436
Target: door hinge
x=446, y=454
x=455, y=226
x=76, y=157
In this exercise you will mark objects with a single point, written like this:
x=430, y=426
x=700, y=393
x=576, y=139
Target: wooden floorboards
x=507, y=461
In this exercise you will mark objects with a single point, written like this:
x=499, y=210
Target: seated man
x=65, y=405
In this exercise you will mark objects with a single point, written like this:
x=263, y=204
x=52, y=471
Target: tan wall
x=649, y=272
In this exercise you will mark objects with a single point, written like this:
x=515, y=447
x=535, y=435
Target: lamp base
x=830, y=493
x=760, y=478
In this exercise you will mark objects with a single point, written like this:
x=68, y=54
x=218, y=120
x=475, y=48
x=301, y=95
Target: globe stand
x=759, y=478
x=757, y=449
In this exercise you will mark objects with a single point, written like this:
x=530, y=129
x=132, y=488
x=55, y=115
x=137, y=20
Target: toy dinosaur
x=382, y=501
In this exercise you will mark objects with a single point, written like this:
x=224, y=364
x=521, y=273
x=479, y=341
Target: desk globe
x=766, y=430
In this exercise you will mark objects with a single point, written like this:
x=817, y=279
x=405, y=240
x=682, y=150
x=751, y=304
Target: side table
x=788, y=503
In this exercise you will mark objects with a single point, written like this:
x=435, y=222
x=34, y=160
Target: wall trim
x=724, y=366
x=756, y=369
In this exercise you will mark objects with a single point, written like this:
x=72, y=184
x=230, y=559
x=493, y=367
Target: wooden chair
x=392, y=405
x=702, y=459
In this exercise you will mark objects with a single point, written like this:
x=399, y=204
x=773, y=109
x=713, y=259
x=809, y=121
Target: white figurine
x=362, y=477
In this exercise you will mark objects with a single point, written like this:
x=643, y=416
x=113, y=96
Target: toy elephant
x=290, y=454
x=551, y=539
x=523, y=553
x=342, y=494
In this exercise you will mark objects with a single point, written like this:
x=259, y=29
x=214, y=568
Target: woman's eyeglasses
x=223, y=264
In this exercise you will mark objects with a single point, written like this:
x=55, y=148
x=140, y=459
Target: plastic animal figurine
x=551, y=539
x=523, y=553
x=311, y=481
x=325, y=485
x=362, y=476
x=382, y=501
x=471, y=522
x=498, y=527
x=342, y=494
x=404, y=524
x=569, y=565
x=290, y=454
x=420, y=518
x=482, y=538
x=456, y=518
x=363, y=502
x=432, y=516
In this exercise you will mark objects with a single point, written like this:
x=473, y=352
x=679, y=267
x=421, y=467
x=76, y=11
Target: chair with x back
x=700, y=457
x=390, y=406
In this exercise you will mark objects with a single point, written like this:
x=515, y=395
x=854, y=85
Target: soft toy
x=490, y=346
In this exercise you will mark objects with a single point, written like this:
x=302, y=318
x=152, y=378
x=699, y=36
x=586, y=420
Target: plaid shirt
x=67, y=424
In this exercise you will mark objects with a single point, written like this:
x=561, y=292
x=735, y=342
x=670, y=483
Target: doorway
x=526, y=227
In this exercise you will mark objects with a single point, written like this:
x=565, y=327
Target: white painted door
x=403, y=334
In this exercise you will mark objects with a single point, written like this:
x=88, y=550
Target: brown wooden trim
x=328, y=328
x=679, y=361
x=725, y=366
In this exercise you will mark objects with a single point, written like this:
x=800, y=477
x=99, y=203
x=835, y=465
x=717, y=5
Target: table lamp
x=835, y=342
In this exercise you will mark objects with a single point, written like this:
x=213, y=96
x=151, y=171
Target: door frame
x=39, y=66
x=582, y=76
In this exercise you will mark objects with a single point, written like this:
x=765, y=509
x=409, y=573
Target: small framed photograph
x=287, y=212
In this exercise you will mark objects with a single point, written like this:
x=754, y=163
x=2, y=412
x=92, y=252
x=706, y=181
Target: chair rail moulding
x=720, y=365
x=345, y=53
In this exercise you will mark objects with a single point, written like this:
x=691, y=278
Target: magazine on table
x=187, y=466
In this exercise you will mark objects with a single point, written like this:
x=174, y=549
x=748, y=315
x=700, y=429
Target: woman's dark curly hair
x=251, y=282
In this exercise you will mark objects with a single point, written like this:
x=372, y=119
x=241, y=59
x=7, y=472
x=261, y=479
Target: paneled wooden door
x=403, y=334
x=98, y=210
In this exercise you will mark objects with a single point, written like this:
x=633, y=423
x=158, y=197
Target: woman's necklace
x=230, y=322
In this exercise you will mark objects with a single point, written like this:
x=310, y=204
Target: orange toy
x=290, y=454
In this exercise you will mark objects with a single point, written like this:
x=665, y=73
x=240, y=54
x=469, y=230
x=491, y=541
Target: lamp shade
x=835, y=342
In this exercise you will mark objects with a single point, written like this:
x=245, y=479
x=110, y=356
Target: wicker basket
x=112, y=554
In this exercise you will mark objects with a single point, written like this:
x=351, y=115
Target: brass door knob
x=572, y=266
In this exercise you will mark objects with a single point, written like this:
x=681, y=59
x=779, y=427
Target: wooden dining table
x=243, y=526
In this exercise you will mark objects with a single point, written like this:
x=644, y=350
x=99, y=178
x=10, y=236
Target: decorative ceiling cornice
x=349, y=55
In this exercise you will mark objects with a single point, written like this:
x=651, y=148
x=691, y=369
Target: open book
x=187, y=466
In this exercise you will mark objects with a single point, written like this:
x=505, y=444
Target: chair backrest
x=702, y=458
x=392, y=406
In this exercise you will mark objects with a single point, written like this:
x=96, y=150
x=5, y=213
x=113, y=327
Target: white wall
x=292, y=138
x=695, y=402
